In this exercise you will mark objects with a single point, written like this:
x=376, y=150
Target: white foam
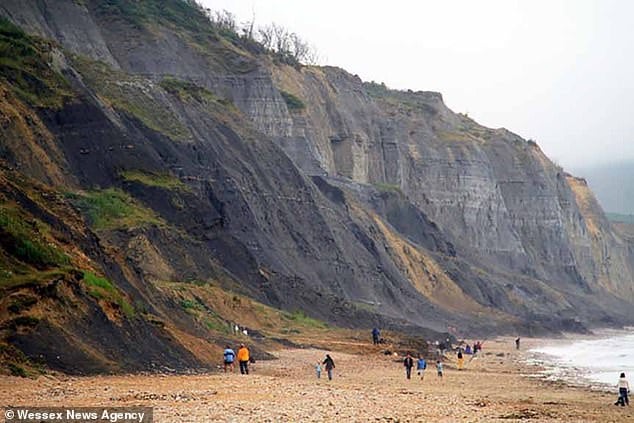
x=597, y=360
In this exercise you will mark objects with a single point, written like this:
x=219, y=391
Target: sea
x=596, y=361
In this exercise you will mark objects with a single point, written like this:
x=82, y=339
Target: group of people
x=477, y=346
x=243, y=358
x=421, y=366
x=329, y=365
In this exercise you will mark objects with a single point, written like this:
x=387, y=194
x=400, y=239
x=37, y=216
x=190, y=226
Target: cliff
x=188, y=160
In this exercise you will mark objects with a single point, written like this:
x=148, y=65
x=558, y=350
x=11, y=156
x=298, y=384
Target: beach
x=494, y=387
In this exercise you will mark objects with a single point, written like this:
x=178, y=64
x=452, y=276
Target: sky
x=560, y=72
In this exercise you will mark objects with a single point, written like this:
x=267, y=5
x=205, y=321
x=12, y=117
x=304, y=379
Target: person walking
x=376, y=336
x=624, y=389
x=460, y=360
x=439, y=368
x=408, y=363
x=229, y=357
x=318, y=370
x=517, y=343
x=243, y=359
x=421, y=365
x=329, y=363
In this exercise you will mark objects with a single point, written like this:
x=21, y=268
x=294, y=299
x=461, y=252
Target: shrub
x=17, y=370
x=187, y=304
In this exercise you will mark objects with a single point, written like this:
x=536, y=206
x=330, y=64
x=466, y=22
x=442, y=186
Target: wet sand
x=370, y=387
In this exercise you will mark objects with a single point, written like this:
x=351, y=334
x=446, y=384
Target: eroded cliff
x=301, y=187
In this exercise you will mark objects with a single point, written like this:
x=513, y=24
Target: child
x=421, y=365
x=439, y=368
x=318, y=370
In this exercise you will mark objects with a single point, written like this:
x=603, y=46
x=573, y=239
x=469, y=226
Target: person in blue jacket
x=421, y=365
x=376, y=336
x=229, y=358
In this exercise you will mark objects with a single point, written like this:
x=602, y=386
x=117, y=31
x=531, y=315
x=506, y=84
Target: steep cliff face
x=491, y=190
x=303, y=188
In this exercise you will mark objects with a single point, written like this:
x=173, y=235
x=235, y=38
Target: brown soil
x=370, y=387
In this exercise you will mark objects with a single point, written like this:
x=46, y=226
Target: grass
x=383, y=187
x=300, y=318
x=101, y=288
x=29, y=277
x=17, y=370
x=215, y=307
x=205, y=315
x=217, y=325
x=187, y=305
x=17, y=363
x=293, y=102
x=24, y=65
x=165, y=181
x=25, y=242
x=187, y=90
x=111, y=209
x=189, y=19
x=185, y=14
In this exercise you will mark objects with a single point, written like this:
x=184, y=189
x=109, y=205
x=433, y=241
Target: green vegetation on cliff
x=165, y=181
x=131, y=94
x=188, y=91
x=292, y=102
x=102, y=289
x=25, y=242
x=113, y=209
x=181, y=14
x=25, y=66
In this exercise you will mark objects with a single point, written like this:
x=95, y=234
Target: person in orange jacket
x=243, y=359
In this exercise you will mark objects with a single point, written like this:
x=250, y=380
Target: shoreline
x=579, y=375
x=493, y=387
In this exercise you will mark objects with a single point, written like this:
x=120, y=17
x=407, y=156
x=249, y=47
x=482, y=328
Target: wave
x=599, y=360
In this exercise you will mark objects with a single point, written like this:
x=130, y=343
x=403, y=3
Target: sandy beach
x=367, y=387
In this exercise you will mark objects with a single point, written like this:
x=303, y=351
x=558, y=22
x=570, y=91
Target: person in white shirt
x=624, y=389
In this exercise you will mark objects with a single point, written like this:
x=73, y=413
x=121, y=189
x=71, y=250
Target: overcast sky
x=559, y=72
